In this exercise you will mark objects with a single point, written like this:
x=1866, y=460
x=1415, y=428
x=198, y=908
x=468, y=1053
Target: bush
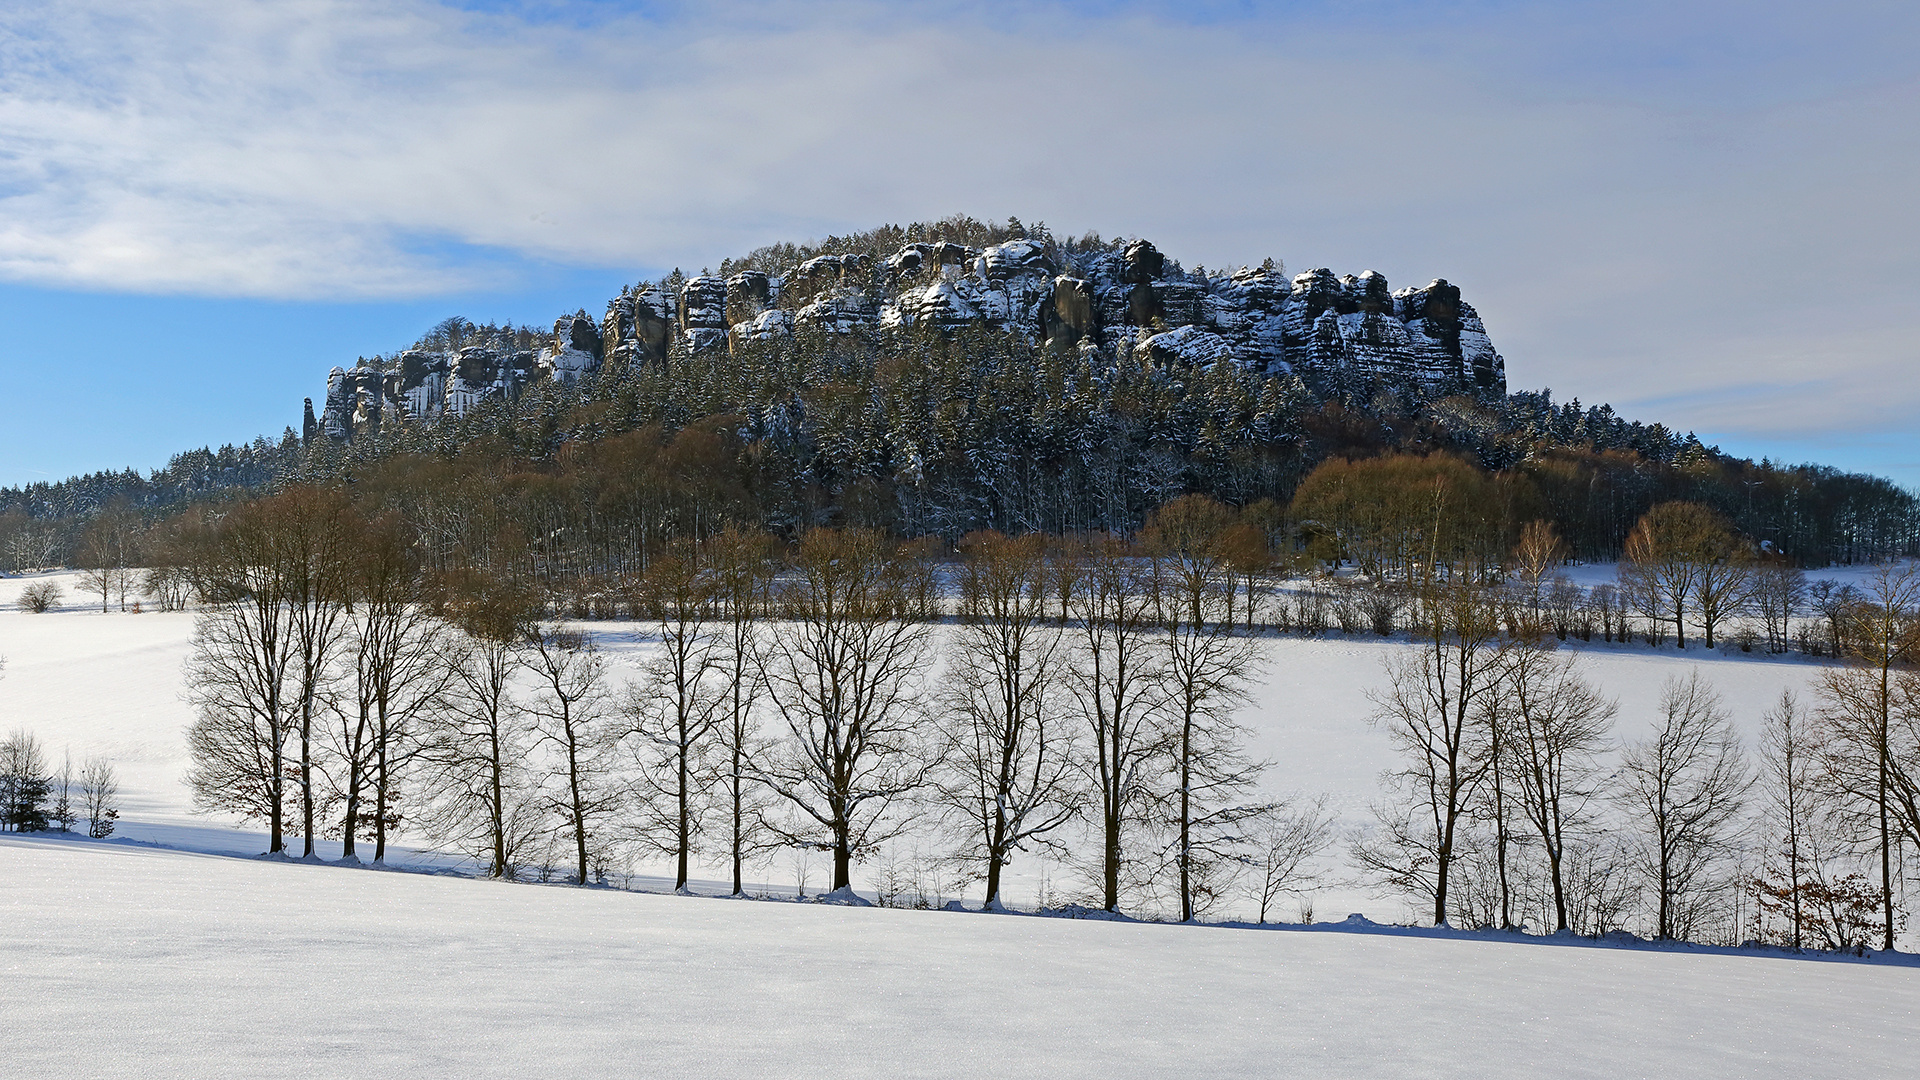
x=39, y=597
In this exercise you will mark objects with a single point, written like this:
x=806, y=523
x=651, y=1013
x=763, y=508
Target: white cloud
x=1724, y=233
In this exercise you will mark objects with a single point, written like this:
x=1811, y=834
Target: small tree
x=477, y=752
x=1870, y=713
x=1206, y=671
x=1779, y=595
x=1286, y=839
x=25, y=784
x=1554, y=725
x=1682, y=558
x=1683, y=790
x=845, y=670
x=1007, y=754
x=1787, y=775
x=1535, y=558
x=1431, y=708
x=568, y=705
x=742, y=565
x=673, y=712
x=100, y=797
x=1116, y=676
x=63, y=813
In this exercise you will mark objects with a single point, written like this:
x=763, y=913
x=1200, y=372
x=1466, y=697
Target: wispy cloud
x=1700, y=207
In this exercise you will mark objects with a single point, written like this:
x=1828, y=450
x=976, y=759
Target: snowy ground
x=117, y=960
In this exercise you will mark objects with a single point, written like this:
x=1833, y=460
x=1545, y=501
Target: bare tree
x=1683, y=790
x=1207, y=669
x=30, y=544
x=402, y=669
x=568, y=707
x=1682, y=558
x=1117, y=678
x=1287, y=838
x=477, y=753
x=39, y=597
x=312, y=532
x=1008, y=764
x=62, y=814
x=845, y=669
x=1779, y=595
x=1788, y=762
x=1535, y=557
x=675, y=710
x=1430, y=708
x=106, y=547
x=742, y=567
x=1554, y=726
x=1864, y=711
x=100, y=797
x=240, y=672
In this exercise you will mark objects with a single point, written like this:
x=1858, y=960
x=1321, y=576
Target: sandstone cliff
x=1337, y=333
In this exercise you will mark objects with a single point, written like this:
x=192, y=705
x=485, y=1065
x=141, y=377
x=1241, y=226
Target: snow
x=117, y=960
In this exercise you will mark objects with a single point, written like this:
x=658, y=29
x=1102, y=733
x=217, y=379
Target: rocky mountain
x=1120, y=298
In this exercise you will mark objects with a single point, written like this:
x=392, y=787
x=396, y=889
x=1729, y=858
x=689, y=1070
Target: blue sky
x=1700, y=212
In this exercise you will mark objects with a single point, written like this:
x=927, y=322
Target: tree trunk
x=497, y=809
x=1186, y=819
x=306, y=776
x=353, y=810
x=842, y=861
x=1554, y=855
x=380, y=796
x=684, y=838
x=738, y=824
x=1111, y=877
x=579, y=819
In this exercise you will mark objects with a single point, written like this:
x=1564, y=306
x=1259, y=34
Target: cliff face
x=1332, y=331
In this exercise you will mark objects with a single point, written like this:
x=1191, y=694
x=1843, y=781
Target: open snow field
x=120, y=961
x=123, y=959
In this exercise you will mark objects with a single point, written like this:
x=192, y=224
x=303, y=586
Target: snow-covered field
x=124, y=959
x=128, y=962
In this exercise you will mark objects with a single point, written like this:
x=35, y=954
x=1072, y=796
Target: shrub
x=39, y=597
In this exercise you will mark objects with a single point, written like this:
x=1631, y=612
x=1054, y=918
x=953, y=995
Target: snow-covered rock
x=575, y=351
x=1188, y=345
x=1337, y=333
x=703, y=312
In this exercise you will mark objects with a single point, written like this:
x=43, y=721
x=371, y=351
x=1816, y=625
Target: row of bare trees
x=1516, y=802
x=829, y=696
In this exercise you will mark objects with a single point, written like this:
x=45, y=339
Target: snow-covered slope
x=123, y=961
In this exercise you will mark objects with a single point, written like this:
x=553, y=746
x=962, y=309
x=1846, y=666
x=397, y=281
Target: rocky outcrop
x=576, y=349
x=636, y=327
x=1337, y=333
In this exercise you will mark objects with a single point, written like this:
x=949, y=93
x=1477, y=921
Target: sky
x=1699, y=212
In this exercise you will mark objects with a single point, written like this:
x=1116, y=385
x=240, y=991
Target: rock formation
x=1337, y=333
